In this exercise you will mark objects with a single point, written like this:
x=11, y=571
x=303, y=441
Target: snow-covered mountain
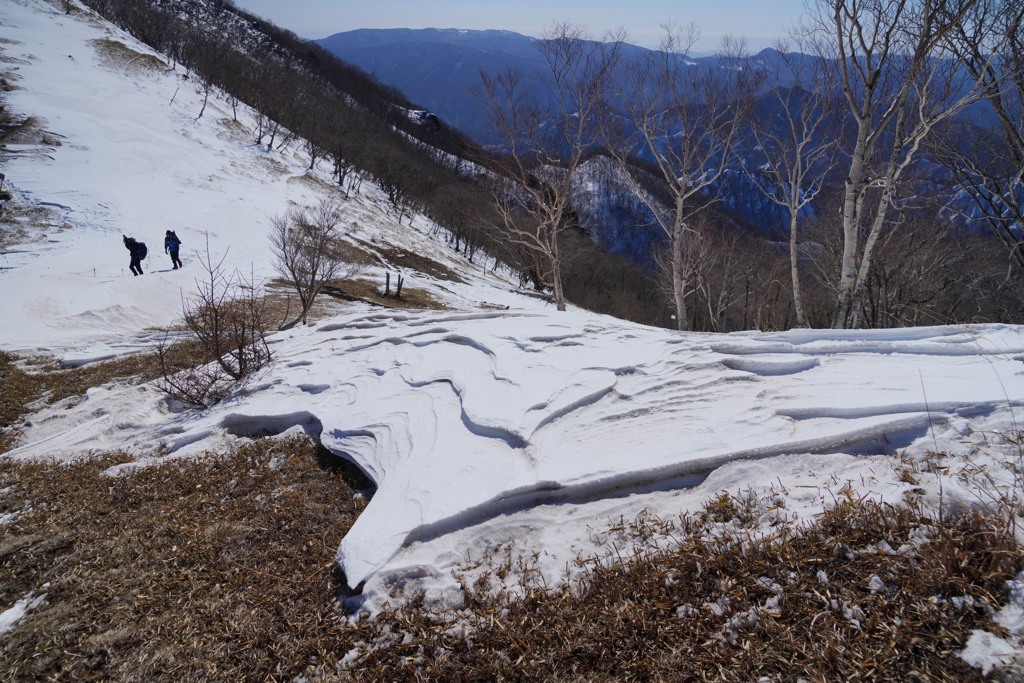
x=496, y=420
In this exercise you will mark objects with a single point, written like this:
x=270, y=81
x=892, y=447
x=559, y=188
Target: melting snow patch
x=988, y=651
x=9, y=618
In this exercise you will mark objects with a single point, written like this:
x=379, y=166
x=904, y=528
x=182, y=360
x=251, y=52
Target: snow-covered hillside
x=495, y=422
x=115, y=148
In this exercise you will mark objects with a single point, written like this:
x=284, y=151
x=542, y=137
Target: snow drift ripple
x=531, y=421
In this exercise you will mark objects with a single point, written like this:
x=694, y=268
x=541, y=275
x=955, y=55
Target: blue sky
x=760, y=21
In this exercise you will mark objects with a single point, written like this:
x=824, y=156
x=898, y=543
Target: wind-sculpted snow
x=462, y=417
x=459, y=418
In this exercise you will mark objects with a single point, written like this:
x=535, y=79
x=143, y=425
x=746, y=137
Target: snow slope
x=123, y=153
x=496, y=423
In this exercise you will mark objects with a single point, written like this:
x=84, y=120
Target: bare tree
x=228, y=320
x=308, y=252
x=315, y=151
x=203, y=57
x=345, y=148
x=918, y=276
x=394, y=174
x=711, y=261
x=687, y=117
x=988, y=161
x=798, y=150
x=897, y=90
x=547, y=136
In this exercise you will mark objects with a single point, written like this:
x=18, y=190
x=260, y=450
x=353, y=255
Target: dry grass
x=222, y=569
x=116, y=54
x=19, y=391
x=22, y=223
x=412, y=262
x=28, y=131
x=219, y=569
x=373, y=292
x=29, y=385
x=313, y=182
x=11, y=232
x=801, y=606
x=282, y=304
x=365, y=255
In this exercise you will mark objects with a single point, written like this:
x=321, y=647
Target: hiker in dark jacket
x=138, y=253
x=171, y=246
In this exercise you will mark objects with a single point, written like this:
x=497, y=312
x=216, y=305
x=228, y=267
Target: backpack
x=142, y=250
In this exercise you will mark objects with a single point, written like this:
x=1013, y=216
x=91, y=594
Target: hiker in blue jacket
x=171, y=246
x=138, y=251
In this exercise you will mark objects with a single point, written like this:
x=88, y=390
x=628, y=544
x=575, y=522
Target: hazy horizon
x=759, y=23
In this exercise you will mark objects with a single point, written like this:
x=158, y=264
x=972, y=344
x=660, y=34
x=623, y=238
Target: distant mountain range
x=436, y=68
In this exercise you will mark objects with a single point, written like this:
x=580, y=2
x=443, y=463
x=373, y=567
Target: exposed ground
x=841, y=600
x=211, y=570
x=222, y=569
x=116, y=54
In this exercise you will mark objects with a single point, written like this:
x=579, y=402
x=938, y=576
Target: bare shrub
x=227, y=316
x=198, y=385
x=309, y=254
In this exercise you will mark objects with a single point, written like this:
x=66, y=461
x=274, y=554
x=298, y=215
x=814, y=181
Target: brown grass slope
x=216, y=569
x=729, y=607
